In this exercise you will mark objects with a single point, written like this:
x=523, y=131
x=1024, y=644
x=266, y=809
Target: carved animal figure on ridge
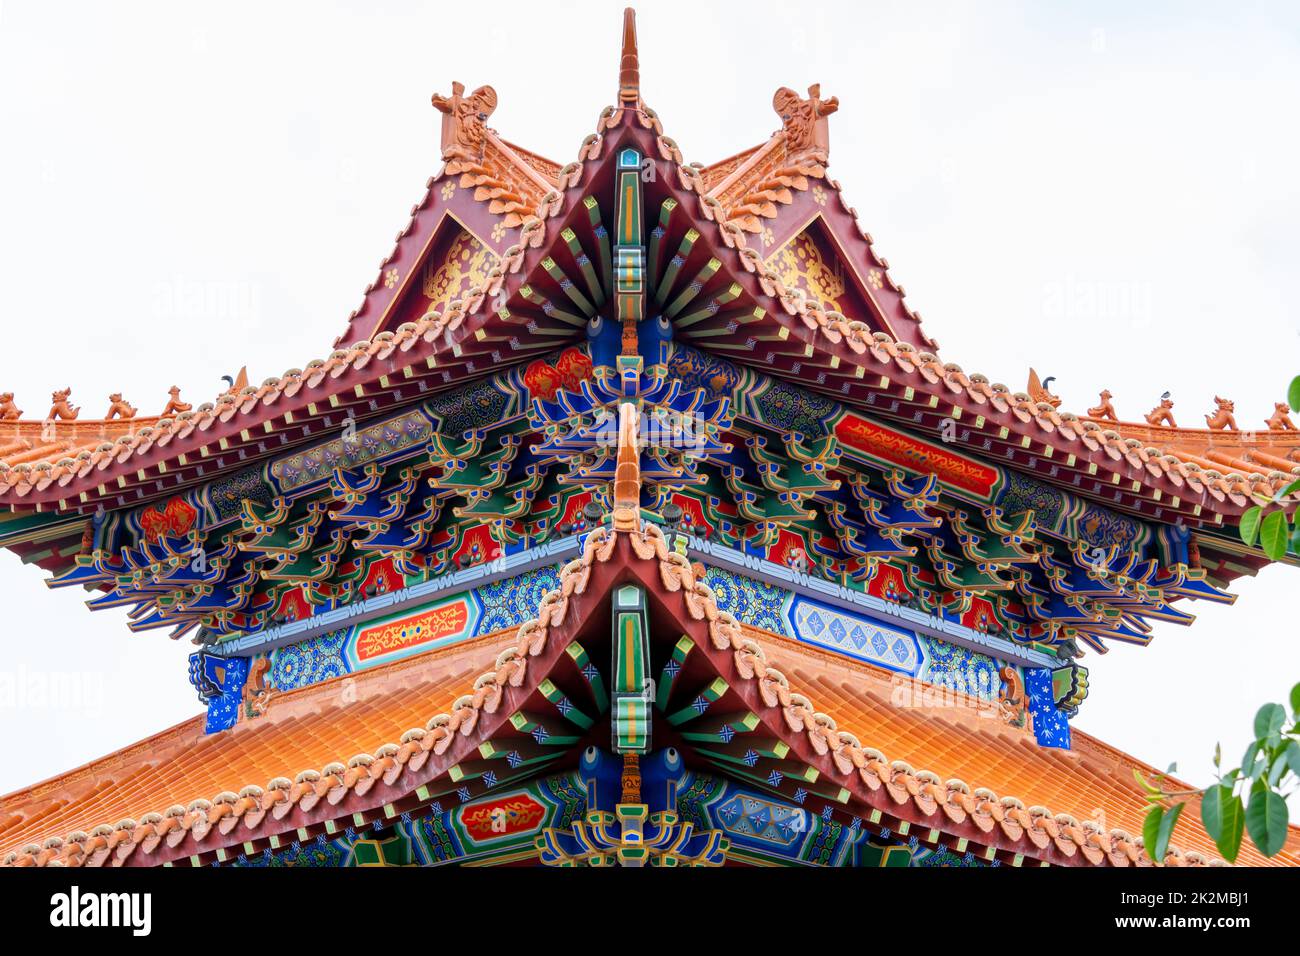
x=174, y=405
x=9, y=412
x=1280, y=422
x=804, y=119
x=119, y=408
x=464, y=127
x=62, y=408
x=1104, y=409
x=1162, y=414
x=1222, y=417
x=1040, y=390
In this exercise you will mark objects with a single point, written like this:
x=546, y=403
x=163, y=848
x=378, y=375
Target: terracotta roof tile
x=1270, y=454
x=966, y=739
x=952, y=763
x=302, y=730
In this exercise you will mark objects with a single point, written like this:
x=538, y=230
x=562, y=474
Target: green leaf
x=1266, y=817
x=1293, y=757
x=1279, y=767
x=1295, y=700
x=1269, y=720
x=1250, y=761
x=1273, y=532
x=1289, y=489
x=1224, y=820
x=1293, y=393
x=1250, y=525
x=1151, y=831
x=1167, y=824
x=1145, y=784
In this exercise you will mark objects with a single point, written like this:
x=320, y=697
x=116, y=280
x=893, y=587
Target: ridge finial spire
x=627, y=470
x=629, y=64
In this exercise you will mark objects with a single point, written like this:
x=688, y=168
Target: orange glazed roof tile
x=963, y=740
x=304, y=730
x=1273, y=451
x=949, y=766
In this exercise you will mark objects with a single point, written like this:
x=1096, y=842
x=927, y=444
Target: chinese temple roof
x=726, y=223
x=456, y=421
x=440, y=722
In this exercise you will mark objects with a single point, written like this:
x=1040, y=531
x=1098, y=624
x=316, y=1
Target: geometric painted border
x=834, y=629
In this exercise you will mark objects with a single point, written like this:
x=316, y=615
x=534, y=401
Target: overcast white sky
x=1106, y=194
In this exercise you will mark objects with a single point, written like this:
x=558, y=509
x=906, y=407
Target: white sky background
x=1106, y=194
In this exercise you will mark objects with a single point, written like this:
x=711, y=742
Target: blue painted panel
x=1051, y=727
x=855, y=636
x=220, y=681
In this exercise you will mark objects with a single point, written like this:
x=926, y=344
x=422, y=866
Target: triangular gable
x=773, y=197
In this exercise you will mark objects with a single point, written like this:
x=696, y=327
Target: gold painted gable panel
x=463, y=265
x=803, y=264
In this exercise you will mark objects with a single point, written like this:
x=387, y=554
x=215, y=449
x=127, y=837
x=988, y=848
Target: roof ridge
x=1222, y=439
